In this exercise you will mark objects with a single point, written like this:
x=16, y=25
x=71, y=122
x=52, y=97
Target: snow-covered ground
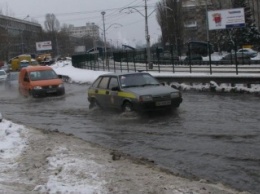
x=38, y=161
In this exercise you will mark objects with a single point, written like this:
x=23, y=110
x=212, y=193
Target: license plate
x=52, y=91
x=163, y=103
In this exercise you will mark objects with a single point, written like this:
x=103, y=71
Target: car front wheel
x=127, y=107
x=93, y=104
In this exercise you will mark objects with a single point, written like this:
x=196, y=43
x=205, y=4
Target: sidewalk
x=38, y=161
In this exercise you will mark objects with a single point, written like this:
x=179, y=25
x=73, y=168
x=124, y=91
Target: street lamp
x=147, y=36
x=104, y=34
x=208, y=41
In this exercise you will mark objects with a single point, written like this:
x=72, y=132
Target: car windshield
x=2, y=73
x=137, y=80
x=42, y=75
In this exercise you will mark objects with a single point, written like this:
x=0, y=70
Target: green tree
x=249, y=34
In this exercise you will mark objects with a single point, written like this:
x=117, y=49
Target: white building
x=91, y=30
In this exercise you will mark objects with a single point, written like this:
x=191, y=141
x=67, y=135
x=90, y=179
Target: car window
x=242, y=50
x=113, y=83
x=136, y=80
x=2, y=73
x=149, y=79
x=104, y=82
x=95, y=84
x=43, y=75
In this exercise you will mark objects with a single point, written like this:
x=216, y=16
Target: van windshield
x=42, y=75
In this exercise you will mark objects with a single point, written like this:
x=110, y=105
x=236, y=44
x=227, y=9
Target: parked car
x=169, y=56
x=38, y=81
x=11, y=80
x=193, y=58
x=241, y=58
x=3, y=76
x=247, y=51
x=128, y=92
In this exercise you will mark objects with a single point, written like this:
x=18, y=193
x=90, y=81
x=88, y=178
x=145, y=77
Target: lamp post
x=208, y=42
x=147, y=36
x=148, y=49
x=104, y=34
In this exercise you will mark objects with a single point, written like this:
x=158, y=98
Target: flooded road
x=211, y=136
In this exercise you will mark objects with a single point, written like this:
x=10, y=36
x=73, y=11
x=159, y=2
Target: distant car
x=248, y=51
x=3, y=76
x=11, y=80
x=24, y=63
x=241, y=58
x=169, y=56
x=39, y=81
x=128, y=92
x=196, y=58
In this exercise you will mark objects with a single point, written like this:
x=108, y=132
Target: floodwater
x=210, y=136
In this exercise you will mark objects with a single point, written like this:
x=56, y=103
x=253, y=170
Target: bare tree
x=51, y=23
x=170, y=18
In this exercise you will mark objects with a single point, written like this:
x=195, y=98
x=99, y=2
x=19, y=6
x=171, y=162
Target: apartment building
x=90, y=29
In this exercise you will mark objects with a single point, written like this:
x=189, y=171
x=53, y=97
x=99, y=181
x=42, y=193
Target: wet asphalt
x=210, y=136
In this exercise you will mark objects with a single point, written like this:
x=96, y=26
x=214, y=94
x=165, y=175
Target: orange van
x=38, y=81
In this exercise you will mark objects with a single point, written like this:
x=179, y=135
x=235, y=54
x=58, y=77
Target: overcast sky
x=79, y=12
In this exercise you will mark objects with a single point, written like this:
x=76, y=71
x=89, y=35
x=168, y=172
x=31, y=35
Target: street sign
x=226, y=19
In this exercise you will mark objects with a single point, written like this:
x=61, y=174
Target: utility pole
x=208, y=41
x=104, y=32
x=148, y=50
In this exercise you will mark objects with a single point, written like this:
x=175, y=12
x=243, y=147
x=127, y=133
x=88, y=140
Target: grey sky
x=79, y=12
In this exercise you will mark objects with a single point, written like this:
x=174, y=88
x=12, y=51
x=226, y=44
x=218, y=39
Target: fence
x=132, y=61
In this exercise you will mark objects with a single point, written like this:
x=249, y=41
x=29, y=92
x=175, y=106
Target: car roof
x=120, y=73
x=37, y=68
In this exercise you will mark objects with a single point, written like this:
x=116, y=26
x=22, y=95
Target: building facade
x=17, y=36
x=91, y=30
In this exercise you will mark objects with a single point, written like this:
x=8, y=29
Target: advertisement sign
x=43, y=46
x=226, y=19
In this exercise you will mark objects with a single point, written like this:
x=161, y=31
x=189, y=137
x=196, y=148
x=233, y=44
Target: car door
x=113, y=98
x=102, y=92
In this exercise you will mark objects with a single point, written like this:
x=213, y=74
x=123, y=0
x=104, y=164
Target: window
x=113, y=83
x=104, y=82
x=95, y=84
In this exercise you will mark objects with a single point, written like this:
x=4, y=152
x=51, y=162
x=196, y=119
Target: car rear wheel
x=127, y=107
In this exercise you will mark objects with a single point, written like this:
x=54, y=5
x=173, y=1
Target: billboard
x=43, y=46
x=226, y=19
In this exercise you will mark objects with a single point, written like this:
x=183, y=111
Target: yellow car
x=138, y=92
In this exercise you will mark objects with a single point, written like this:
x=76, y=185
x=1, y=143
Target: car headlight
x=60, y=86
x=175, y=94
x=145, y=98
x=37, y=87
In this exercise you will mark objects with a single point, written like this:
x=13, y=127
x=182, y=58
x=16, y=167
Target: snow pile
x=72, y=175
x=214, y=87
x=12, y=143
x=76, y=75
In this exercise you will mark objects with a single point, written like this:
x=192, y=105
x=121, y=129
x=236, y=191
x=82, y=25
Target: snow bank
x=72, y=175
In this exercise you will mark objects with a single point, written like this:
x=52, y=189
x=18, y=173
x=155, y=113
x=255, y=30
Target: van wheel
x=127, y=107
x=31, y=94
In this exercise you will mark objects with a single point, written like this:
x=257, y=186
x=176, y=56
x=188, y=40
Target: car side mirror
x=60, y=76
